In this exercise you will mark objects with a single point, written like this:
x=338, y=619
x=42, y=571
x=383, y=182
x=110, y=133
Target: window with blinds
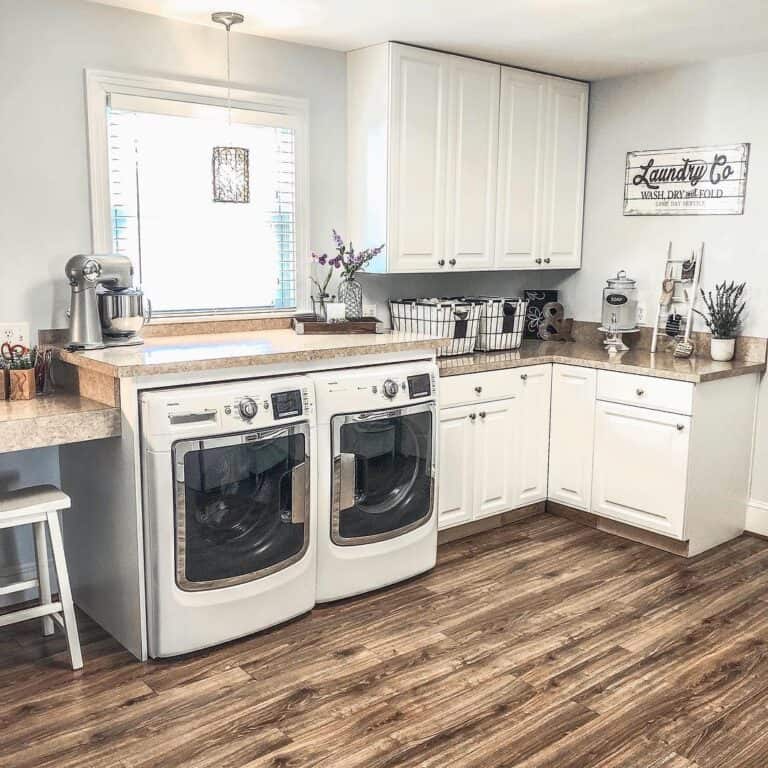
x=194, y=256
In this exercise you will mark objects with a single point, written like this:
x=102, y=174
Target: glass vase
x=318, y=306
x=351, y=293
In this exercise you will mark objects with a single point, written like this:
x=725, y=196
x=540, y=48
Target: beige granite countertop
x=54, y=420
x=662, y=365
x=211, y=351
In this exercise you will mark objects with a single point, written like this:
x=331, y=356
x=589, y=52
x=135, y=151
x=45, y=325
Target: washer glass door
x=242, y=506
x=383, y=473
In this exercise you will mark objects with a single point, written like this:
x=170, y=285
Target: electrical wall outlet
x=14, y=333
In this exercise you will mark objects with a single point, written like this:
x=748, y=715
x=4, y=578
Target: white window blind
x=194, y=256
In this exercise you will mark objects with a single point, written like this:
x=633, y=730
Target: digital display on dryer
x=419, y=386
x=286, y=404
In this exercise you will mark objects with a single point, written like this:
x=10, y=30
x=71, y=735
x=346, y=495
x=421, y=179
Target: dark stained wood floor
x=543, y=643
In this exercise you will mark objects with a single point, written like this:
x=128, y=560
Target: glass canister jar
x=620, y=299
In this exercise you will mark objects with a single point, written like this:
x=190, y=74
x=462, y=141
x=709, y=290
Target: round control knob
x=248, y=408
x=390, y=388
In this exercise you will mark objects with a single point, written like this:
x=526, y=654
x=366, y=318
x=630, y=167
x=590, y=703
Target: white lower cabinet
x=493, y=453
x=457, y=466
x=572, y=435
x=641, y=467
x=532, y=426
x=496, y=437
x=669, y=457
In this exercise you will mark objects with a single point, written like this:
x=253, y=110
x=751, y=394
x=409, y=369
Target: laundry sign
x=684, y=182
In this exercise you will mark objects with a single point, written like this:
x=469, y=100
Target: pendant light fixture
x=230, y=164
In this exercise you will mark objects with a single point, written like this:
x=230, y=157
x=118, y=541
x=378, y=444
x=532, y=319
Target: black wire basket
x=457, y=319
x=502, y=322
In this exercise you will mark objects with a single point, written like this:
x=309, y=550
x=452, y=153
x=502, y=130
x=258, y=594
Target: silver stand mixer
x=105, y=308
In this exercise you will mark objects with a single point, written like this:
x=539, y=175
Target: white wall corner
x=757, y=517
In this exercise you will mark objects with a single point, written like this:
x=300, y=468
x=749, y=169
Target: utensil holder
x=22, y=384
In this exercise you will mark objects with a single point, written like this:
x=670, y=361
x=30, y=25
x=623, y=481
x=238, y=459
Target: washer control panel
x=413, y=387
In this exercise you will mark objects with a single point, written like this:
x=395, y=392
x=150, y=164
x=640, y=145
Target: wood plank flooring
x=543, y=643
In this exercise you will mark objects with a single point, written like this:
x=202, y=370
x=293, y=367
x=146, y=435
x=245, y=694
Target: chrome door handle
x=524, y=376
x=452, y=262
x=441, y=262
x=538, y=261
x=299, y=493
x=482, y=414
x=344, y=479
x=472, y=416
x=547, y=260
x=640, y=392
x=680, y=427
x=478, y=390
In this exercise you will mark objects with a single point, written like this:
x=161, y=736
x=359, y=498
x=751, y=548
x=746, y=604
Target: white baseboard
x=757, y=517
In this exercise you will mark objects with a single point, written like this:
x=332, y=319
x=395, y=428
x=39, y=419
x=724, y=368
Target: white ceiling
x=589, y=39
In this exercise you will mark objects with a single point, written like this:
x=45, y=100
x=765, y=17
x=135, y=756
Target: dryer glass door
x=242, y=506
x=383, y=473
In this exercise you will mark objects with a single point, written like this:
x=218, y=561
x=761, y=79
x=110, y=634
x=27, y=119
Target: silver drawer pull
x=524, y=376
x=482, y=414
x=472, y=416
x=680, y=427
x=478, y=390
x=640, y=392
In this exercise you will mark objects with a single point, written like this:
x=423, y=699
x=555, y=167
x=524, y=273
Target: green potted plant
x=723, y=317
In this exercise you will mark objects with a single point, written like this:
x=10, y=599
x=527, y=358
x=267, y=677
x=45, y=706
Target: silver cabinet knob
x=524, y=376
x=452, y=262
x=538, y=261
x=472, y=416
x=482, y=414
x=478, y=390
x=547, y=260
x=640, y=392
x=441, y=262
x=680, y=427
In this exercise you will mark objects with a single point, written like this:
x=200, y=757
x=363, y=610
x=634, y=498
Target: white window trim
x=99, y=83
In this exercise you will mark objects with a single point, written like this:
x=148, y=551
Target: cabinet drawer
x=646, y=391
x=483, y=387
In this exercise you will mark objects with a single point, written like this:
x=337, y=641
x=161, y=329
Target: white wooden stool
x=39, y=506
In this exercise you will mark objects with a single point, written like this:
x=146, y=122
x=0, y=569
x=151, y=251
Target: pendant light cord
x=229, y=86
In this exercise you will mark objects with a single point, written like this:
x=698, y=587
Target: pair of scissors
x=12, y=351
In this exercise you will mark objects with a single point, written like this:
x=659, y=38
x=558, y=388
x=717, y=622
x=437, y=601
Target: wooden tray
x=309, y=324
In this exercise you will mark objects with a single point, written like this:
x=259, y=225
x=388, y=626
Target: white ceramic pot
x=722, y=349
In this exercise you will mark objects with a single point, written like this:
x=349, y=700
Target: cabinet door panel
x=532, y=426
x=417, y=158
x=565, y=169
x=495, y=452
x=456, y=468
x=572, y=435
x=473, y=129
x=521, y=168
x=640, y=467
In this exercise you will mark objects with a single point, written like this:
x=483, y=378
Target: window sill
x=189, y=325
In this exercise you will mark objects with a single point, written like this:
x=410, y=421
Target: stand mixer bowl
x=124, y=312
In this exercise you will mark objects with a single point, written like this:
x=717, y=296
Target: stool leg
x=65, y=593
x=43, y=576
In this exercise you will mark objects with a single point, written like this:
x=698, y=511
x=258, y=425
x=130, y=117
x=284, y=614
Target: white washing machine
x=377, y=446
x=229, y=503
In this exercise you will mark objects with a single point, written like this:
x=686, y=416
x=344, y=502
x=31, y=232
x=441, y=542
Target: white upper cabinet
x=564, y=173
x=418, y=110
x=521, y=169
x=458, y=164
x=473, y=142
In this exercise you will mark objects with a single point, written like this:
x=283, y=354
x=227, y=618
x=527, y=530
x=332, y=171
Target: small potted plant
x=723, y=317
x=351, y=262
